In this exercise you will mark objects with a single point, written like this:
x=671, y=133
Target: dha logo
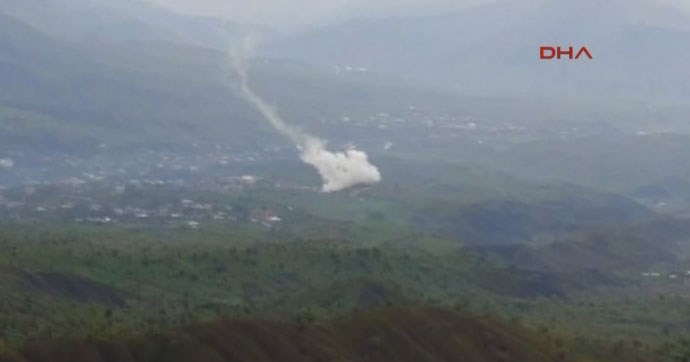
x=549, y=53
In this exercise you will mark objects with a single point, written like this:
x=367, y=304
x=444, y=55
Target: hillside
x=605, y=251
x=109, y=94
x=396, y=335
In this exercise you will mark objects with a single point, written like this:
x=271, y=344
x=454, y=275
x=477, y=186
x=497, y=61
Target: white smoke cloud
x=339, y=170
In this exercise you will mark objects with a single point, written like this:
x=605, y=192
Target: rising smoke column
x=338, y=170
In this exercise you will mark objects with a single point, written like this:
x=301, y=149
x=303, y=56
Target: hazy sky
x=294, y=14
x=282, y=13
x=287, y=14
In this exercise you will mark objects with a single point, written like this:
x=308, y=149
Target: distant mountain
x=60, y=93
x=494, y=49
x=124, y=22
x=64, y=89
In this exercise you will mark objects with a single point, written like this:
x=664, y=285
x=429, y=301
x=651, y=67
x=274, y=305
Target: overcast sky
x=289, y=13
x=286, y=14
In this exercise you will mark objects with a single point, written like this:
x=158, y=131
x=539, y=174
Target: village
x=106, y=186
x=146, y=201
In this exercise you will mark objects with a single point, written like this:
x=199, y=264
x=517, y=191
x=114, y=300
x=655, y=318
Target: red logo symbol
x=549, y=52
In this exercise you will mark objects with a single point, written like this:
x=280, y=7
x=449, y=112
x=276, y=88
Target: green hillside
x=396, y=334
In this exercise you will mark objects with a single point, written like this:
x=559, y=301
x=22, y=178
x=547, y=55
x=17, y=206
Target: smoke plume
x=338, y=170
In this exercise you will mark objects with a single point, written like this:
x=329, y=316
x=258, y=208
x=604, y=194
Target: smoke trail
x=338, y=170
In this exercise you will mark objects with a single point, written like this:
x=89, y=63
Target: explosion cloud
x=338, y=170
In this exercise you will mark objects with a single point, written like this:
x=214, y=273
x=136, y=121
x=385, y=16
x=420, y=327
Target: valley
x=525, y=212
